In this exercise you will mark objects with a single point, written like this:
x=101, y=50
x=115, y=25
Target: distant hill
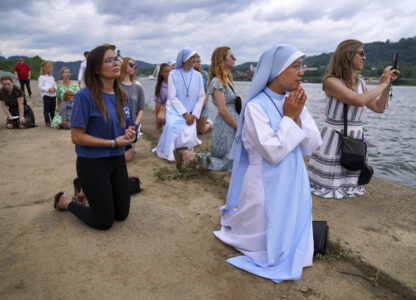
x=379, y=55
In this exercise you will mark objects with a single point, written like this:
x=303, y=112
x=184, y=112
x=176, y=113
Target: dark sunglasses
x=360, y=53
x=132, y=66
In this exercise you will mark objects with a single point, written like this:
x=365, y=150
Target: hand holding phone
x=395, y=58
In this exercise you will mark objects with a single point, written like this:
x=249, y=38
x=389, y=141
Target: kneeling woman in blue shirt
x=101, y=129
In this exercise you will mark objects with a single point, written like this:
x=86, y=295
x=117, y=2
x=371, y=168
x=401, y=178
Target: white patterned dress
x=327, y=177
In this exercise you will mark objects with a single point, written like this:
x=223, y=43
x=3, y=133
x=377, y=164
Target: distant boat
x=155, y=73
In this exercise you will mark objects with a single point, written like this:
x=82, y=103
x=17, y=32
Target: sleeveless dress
x=327, y=177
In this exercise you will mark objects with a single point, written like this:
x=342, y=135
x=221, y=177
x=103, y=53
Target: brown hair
x=198, y=69
x=67, y=95
x=93, y=82
x=340, y=64
x=160, y=79
x=6, y=77
x=43, y=66
x=218, y=68
x=123, y=70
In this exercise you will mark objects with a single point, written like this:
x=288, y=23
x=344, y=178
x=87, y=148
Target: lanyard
x=189, y=84
x=274, y=105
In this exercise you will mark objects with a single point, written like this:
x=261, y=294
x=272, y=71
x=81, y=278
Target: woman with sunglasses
x=135, y=95
x=342, y=86
x=101, y=129
x=185, y=98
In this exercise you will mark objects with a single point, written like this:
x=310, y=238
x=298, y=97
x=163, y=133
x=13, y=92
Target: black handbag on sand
x=353, y=151
x=365, y=175
x=320, y=237
x=134, y=185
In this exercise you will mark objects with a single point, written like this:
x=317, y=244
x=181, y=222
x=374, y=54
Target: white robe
x=245, y=229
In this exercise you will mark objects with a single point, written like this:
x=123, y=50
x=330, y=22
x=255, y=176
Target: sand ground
x=165, y=249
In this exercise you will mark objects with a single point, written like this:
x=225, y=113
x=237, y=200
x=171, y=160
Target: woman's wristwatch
x=113, y=143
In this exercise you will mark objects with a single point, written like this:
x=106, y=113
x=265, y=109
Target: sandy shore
x=166, y=249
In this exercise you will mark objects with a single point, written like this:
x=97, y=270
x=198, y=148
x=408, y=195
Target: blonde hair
x=123, y=70
x=43, y=67
x=340, y=64
x=218, y=67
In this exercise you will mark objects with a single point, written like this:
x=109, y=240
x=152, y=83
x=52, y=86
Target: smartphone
x=395, y=58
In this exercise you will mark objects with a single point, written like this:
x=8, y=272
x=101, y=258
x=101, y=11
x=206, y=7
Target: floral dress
x=222, y=133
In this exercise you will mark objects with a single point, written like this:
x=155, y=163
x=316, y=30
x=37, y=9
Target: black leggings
x=105, y=183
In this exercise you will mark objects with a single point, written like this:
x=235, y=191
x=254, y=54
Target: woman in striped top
x=342, y=85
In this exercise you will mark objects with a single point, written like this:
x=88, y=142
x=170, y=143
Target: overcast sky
x=154, y=31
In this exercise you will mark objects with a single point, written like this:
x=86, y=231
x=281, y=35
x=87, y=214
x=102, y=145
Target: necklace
x=189, y=84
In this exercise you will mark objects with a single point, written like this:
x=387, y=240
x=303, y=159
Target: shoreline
x=165, y=249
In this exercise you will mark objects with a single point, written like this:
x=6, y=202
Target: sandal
x=56, y=200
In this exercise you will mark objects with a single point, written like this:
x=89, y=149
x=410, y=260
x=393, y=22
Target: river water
x=391, y=136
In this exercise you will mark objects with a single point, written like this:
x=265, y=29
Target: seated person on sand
x=66, y=109
x=161, y=95
x=13, y=103
x=185, y=98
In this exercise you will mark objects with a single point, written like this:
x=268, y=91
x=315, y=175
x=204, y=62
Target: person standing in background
x=47, y=86
x=82, y=70
x=22, y=72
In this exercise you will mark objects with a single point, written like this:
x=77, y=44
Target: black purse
x=353, y=151
x=320, y=237
x=134, y=185
x=238, y=103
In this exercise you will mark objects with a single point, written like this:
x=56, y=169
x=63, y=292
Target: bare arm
x=380, y=104
x=336, y=88
x=222, y=108
x=6, y=109
x=139, y=117
x=21, y=109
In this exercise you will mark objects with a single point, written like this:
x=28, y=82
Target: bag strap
x=231, y=87
x=345, y=119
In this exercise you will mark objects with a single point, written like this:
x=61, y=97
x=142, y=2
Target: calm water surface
x=391, y=136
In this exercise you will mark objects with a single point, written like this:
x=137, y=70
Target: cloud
x=155, y=31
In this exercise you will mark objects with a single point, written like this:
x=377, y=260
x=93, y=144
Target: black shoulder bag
x=238, y=104
x=353, y=154
x=353, y=151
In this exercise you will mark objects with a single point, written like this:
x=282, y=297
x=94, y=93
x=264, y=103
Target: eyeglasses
x=360, y=53
x=132, y=65
x=299, y=68
x=233, y=57
x=116, y=59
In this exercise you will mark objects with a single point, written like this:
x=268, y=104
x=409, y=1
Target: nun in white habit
x=268, y=213
x=183, y=107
